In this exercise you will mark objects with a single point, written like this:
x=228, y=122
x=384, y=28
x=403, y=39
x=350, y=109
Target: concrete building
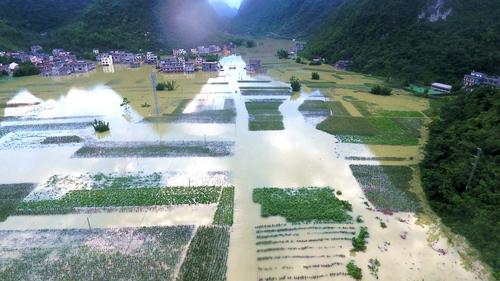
x=106, y=60
x=481, y=79
x=210, y=66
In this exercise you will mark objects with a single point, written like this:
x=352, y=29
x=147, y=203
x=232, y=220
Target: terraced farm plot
x=10, y=197
x=224, y=213
x=100, y=254
x=303, y=251
x=207, y=255
x=264, y=115
x=99, y=198
x=226, y=115
x=155, y=149
x=302, y=204
x=374, y=130
x=387, y=187
x=322, y=108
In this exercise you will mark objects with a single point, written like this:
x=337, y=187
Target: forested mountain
x=81, y=25
x=286, y=18
x=414, y=39
x=468, y=122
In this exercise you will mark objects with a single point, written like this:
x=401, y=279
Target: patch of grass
x=373, y=130
x=387, y=187
x=62, y=140
x=207, y=256
x=10, y=196
x=302, y=204
x=358, y=126
x=365, y=108
x=224, y=213
x=390, y=113
x=264, y=115
x=320, y=85
x=155, y=149
x=358, y=158
x=318, y=106
x=98, y=198
x=219, y=116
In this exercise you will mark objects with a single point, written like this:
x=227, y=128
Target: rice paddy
x=155, y=149
x=264, y=115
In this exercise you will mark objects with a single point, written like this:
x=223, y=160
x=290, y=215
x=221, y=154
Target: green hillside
x=287, y=18
x=107, y=24
x=414, y=40
x=468, y=122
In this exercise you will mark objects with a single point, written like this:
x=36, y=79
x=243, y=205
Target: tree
x=315, y=76
x=467, y=122
x=282, y=54
x=381, y=90
x=298, y=60
x=212, y=58
x=354, y=271
x=26, y=69
x=250, y=44
x=295, y=83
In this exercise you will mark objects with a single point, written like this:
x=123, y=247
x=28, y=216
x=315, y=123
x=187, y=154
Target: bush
x=26, y=69
x=315, y=76
x=298, y=60
x=100, y=126
x=359, y=242
x=169, y=86
x=3, y=73
x=295, y=83
x=282, y=54
x=354, y=271
x=250, y=44
x=212, y=58
x=381, y=90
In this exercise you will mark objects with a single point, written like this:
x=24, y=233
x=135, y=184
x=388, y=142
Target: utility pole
x=154, y=83
x=474, y=167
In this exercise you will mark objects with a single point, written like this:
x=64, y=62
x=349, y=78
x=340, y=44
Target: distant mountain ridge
x=286, y=18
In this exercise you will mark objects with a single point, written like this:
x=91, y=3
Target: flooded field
x=183, y=181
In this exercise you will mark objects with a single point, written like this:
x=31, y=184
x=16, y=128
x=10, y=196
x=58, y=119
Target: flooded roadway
x=298, y=156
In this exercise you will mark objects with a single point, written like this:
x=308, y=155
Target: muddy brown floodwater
x=297, y=156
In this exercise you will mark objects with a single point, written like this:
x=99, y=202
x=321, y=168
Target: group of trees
x=381, y=90
x=282, y=54
x=26, y=69
x=467, y=201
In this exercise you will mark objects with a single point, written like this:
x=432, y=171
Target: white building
x=13, y=66
x=106, y=60
x=440, y=87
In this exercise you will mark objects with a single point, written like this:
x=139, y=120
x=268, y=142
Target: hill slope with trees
x=82, y=25
x=413, y=40
x=286, y=18
x=468, y=122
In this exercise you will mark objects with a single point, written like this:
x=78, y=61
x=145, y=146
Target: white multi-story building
x=106, y=60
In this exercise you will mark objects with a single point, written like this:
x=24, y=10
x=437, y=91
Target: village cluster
x=57, y=63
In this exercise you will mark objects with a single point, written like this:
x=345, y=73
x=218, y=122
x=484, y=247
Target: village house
x=151, y=58
x=189, y=67
x=198, y=64
x=254, y=66
x=296, y=48
x=481, y=79
x=82, y=66
x=178, y=52
x=35, y=49
x=343, y=64
x=171, y=65
x=106, y=59
x=210, y=66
